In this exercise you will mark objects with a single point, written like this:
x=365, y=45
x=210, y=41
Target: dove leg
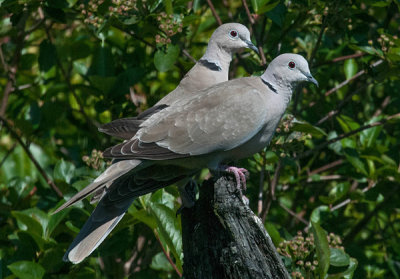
x=187, y=192
x=240, y=176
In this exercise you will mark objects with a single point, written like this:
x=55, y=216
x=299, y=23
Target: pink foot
x=240, y=176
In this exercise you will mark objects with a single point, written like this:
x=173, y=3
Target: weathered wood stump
x=222, y=238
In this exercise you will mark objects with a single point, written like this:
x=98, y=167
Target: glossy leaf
x=338, y=257
x=164, y=61
x=27, y=270
x=64, y=171
x=322, y=247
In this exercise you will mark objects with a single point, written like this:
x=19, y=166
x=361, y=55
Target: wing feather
x=217, y=119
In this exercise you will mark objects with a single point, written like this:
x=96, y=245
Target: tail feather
x=102, y=221
x=106, y=178
x=115, y=202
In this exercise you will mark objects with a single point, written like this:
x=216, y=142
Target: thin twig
x=353, y=132
x=301, y=219
x=167, y=255
x=340, y=106
x=357, y=75
x=347, y=201
x=246, y=7
x=342, y=58
x=258, y=38
x=187, y=54
x=318, y=43
x=326, y=177
x=214, y=12
x=271, y=190
x=384, y=104
x=30, y=155
x=326, y=167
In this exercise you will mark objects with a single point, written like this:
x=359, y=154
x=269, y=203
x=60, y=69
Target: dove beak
x=310, y=78
x=251, y=46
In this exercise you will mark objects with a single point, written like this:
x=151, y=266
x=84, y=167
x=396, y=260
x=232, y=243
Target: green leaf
x=273, y=233
x=354, y=159
x=317, y=212
x=27, y=223
x=102, y=63
x=339, y=257
x=305, y=127
x=145, y=217
x=165, y=60
x=47, y=55
x=64, y=171
x=277, y=15
x=126, y=80
x=348, y=273
x=160, y=262
x=368, y=137
x=54, y=221
x=347, y=123
x=104, y=84
x=163, y=197
x=169, y=229
x=350, y=68
x=339, y=191
x=322, y=247
x=55, y=13
x=258, y=4
x=27, y=270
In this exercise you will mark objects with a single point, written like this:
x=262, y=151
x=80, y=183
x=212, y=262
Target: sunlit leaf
x=166, y=60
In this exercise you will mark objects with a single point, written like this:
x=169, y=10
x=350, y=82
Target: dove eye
x=233, y=33
x=292, y=65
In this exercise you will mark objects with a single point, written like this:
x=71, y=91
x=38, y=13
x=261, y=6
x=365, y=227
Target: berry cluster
x=385, y=41
x=90, y=11
x=96, y=160
x=287, y=141
x=301, y=250
x=169, y=26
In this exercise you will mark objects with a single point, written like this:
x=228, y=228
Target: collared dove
x=228, y=121
x=212, y=68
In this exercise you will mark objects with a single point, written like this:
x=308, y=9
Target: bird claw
x=240, y=175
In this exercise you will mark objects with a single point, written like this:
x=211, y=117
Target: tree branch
x=222, y=238
x=30, y=155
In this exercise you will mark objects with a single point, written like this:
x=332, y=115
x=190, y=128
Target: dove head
x=232, y=37
x=287, y=70
x=225, y=41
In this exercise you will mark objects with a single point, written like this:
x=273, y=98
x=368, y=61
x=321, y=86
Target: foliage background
x=69, y=65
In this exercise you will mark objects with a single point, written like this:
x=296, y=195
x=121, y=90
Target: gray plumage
x=228, y=121
x=212, y=68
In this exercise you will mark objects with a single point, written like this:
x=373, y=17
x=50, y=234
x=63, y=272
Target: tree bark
x=222, y=238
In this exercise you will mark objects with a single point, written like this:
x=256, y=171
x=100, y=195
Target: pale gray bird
x=228, y=121
x=212, y=68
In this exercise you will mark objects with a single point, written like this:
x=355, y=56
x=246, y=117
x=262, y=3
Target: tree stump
x=222, y=238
